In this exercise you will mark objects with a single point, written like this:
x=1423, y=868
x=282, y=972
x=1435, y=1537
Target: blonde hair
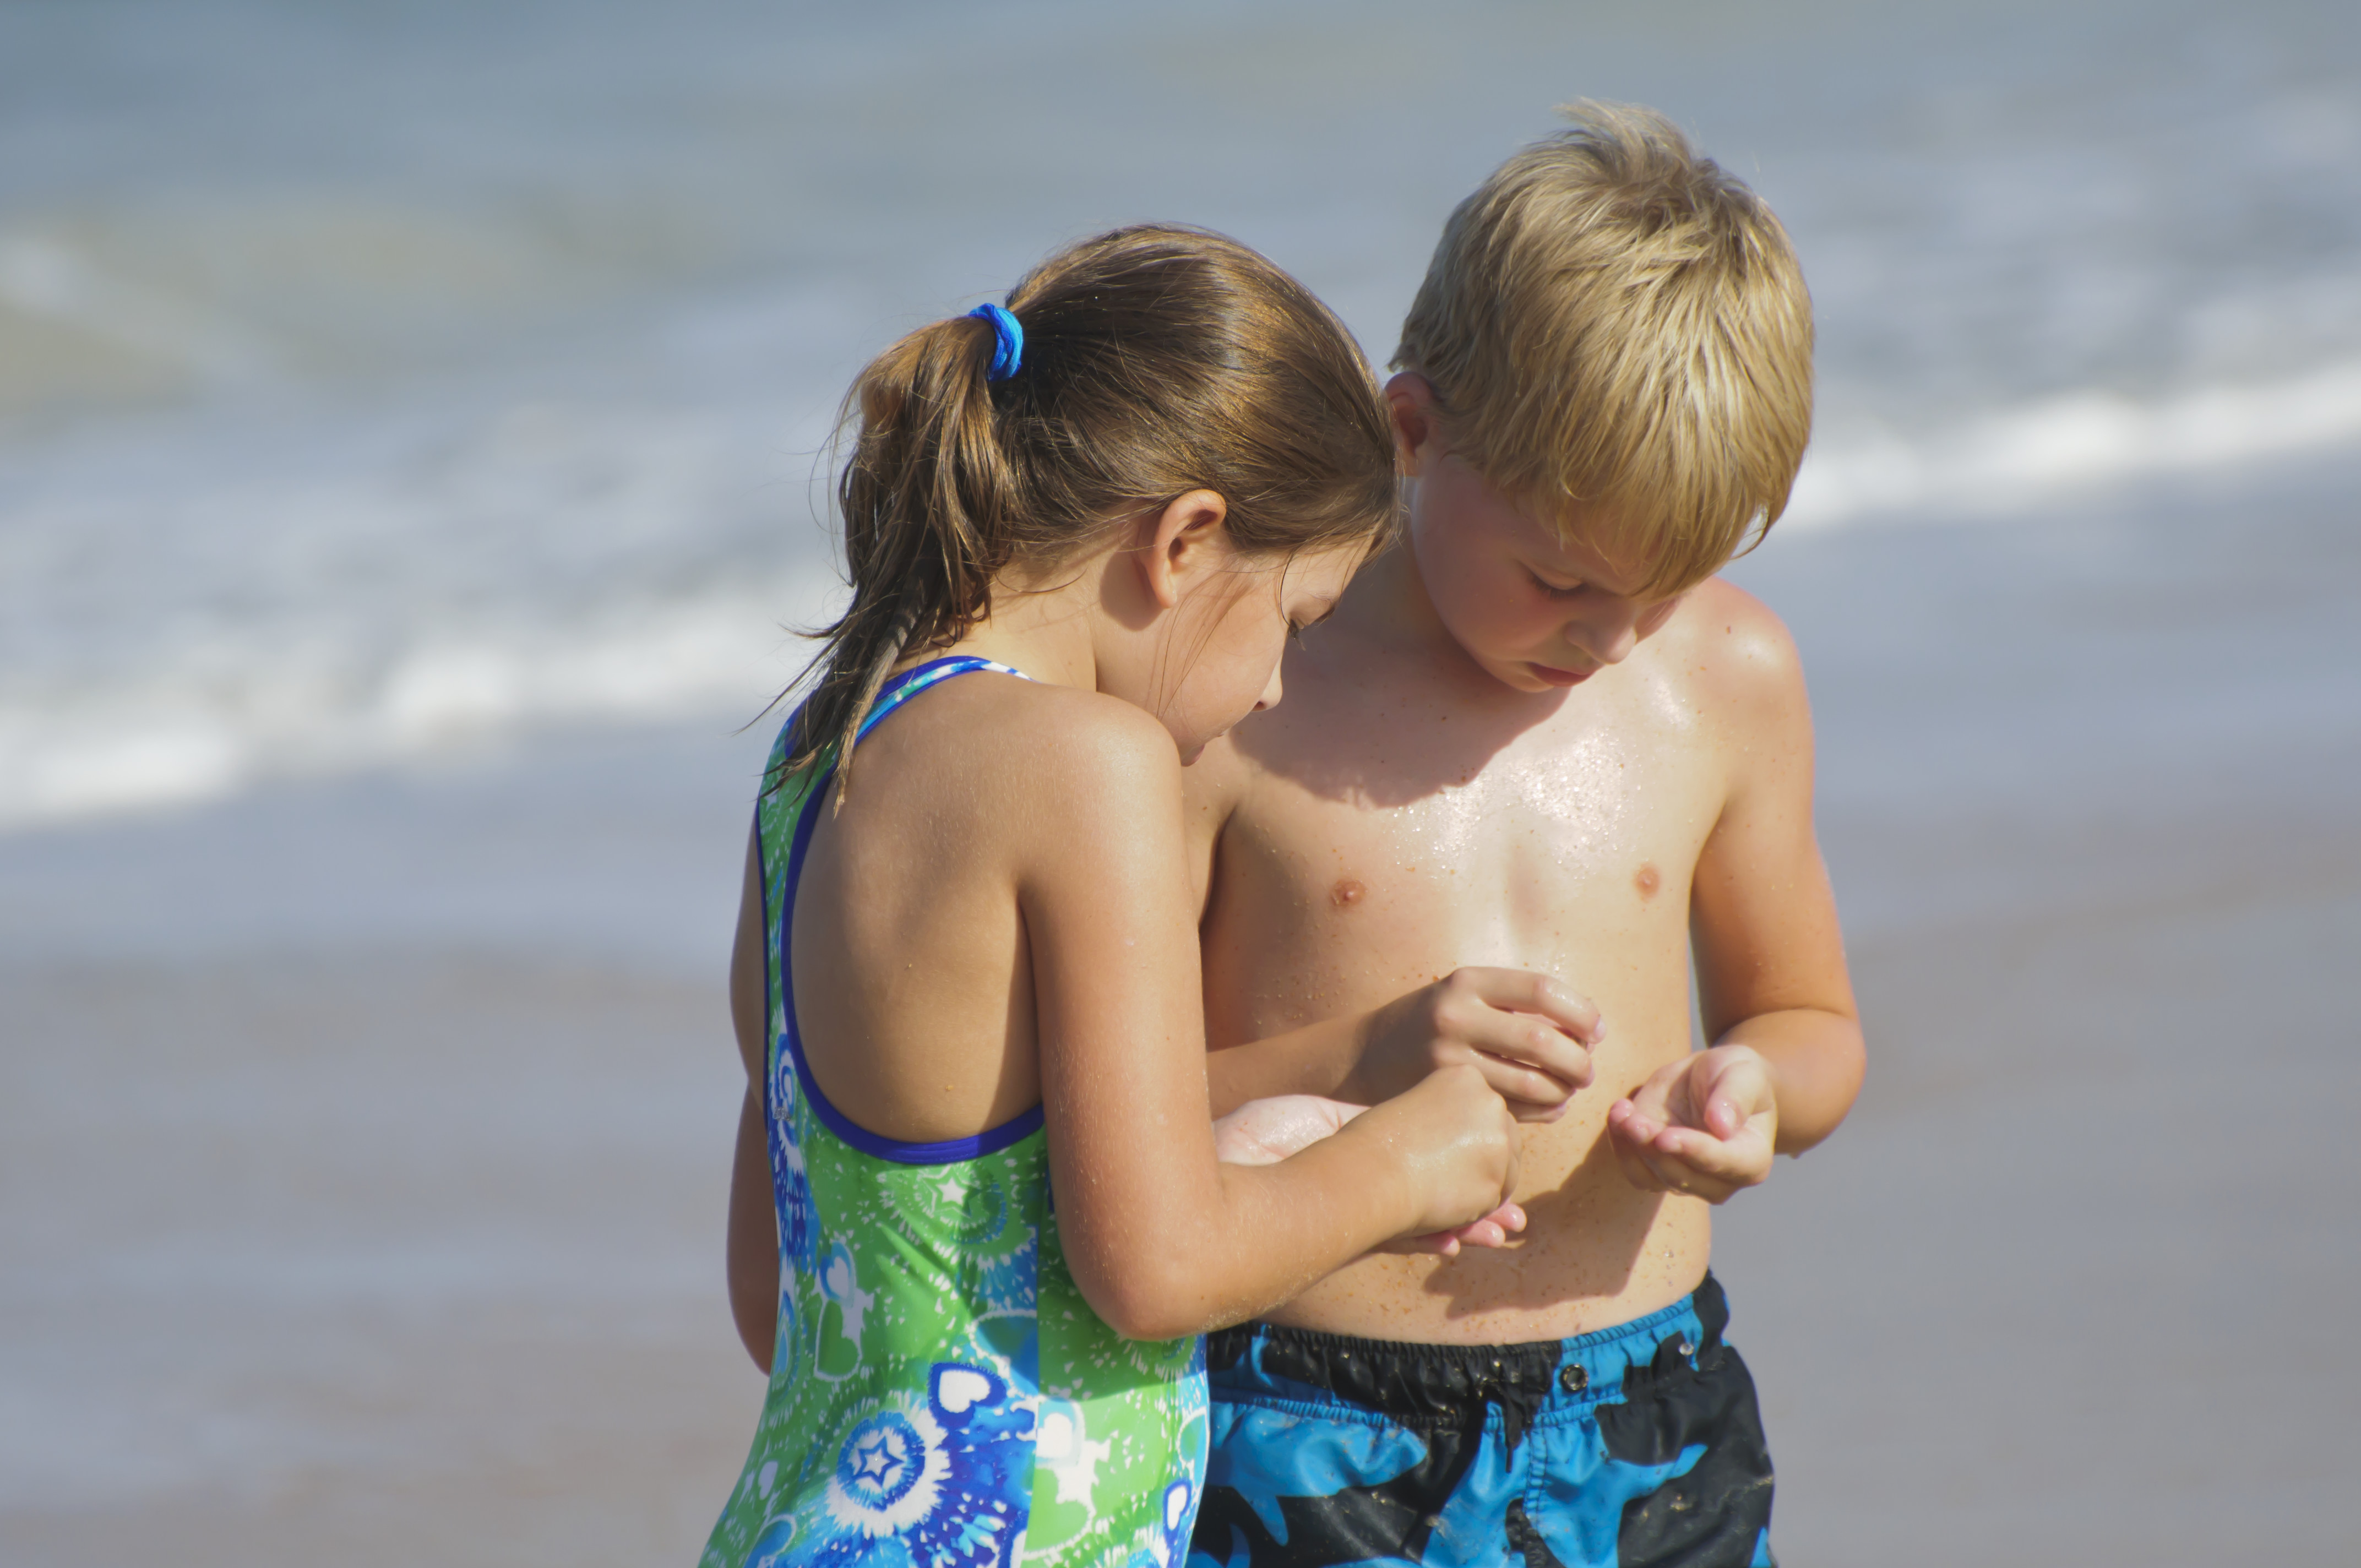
x=1157, y=360
x=1613, y=323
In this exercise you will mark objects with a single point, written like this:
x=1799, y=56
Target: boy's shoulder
x=1722, y=670
x=1732, y=653
x=1733, y=668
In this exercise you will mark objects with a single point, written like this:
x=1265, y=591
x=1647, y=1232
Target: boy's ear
x=1418, y=422
x=1187, y=540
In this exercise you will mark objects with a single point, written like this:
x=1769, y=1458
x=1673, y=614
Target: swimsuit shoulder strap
x=901, y=688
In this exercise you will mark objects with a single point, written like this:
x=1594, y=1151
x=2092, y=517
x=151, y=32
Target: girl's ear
x=1188, y=540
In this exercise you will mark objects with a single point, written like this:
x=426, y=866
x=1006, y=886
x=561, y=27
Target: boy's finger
x=1661, y=1175
x=1653, y=1100
x=1626, y=1121
x=1521, y=1085
x=1637, y=1173
x=1739, y=1161
x=1521, y=1037
x=1638, y=1169
x=1524, y=992
x=1690, y=1182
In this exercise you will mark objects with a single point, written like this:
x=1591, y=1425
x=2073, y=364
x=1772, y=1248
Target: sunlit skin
x=1504, y=749
x=1002, y=915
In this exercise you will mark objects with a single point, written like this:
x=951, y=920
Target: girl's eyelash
x=1295, y=632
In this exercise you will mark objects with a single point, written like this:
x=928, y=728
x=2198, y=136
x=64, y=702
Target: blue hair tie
x=1007, y=342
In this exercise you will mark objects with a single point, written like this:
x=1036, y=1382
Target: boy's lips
x=1558, y=677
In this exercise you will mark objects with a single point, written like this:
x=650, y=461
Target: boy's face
x=1535, y=605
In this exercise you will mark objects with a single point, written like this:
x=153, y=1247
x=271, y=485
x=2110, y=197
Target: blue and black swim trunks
x=1640, y=1444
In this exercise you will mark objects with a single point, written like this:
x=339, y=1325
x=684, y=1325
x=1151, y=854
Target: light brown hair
x=1614, y=326
x=1157, y=360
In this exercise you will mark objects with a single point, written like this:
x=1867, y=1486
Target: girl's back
x=937, y=1371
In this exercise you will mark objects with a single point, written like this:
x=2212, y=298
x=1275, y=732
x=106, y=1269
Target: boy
x=1540, y=735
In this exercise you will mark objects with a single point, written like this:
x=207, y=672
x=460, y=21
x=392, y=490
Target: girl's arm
x=1163, y=1240
x=753, y=1246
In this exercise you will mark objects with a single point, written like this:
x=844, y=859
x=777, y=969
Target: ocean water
x=375, y=379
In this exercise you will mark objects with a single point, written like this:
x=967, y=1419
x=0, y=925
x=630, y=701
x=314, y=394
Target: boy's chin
x=1528, y=676
x=1551, y=678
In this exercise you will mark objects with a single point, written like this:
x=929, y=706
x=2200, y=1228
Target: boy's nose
x=1609, y=640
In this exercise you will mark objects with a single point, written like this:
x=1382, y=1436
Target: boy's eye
x=1552, y=589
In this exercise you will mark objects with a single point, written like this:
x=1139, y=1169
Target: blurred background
x=412, y=424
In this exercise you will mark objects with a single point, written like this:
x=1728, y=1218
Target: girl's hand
x=1493, y=1230
x=1705, y=1125
x=1453, y=1144
x=1529, y=1036
x=1264, y=1132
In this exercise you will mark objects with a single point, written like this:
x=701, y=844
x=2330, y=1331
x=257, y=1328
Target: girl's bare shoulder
x=1023, y=760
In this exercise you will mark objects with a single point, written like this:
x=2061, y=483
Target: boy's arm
x=1785, y=1057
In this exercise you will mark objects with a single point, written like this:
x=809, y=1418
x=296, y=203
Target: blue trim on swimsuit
x=900, y=689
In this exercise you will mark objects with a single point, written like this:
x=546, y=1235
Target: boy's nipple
x=1346, y=892
x=1647, y=881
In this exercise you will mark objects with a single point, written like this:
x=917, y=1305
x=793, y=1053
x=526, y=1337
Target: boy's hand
x=1529, y=1038
x=1264, y=1132
x=1704, y=1125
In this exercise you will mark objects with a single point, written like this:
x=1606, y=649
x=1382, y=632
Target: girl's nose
x=1270, y=693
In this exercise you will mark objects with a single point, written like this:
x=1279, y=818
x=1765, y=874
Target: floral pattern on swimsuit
x=942, y=1395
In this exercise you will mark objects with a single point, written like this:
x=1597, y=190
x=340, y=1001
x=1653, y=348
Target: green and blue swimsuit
x=942, y=1395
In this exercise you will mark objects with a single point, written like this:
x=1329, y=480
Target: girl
x=966, y=974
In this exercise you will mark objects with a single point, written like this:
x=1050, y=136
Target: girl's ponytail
x=924, y=496
x=1155, y=361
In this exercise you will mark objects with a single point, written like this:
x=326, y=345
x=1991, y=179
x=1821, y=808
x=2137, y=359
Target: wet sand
x=366, y=1258
x=365, y=1142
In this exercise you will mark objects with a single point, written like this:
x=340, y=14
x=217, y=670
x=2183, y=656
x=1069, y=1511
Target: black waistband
x=1433, y=1384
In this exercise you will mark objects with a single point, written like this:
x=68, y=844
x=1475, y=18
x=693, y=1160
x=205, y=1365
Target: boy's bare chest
x=1567, y=850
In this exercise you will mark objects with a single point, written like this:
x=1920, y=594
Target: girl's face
x=1229, y=633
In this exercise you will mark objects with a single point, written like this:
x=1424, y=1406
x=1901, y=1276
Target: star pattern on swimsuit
x=878, y=1458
